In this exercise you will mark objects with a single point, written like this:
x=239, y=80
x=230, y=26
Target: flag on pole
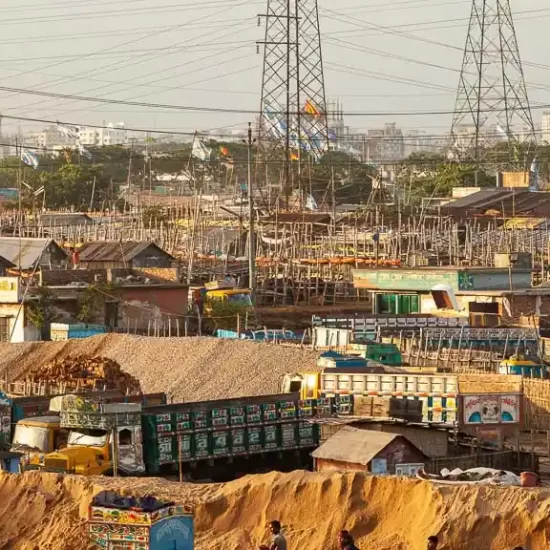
x=224, y=151
x=311, y=109
x=84, y=152
x=72, y=132
x=29, y=158
x=200, y=151
x=294, y=155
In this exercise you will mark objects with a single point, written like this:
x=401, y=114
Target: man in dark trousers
x=345, y=541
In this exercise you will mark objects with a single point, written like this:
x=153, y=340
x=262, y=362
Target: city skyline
x=383, y=58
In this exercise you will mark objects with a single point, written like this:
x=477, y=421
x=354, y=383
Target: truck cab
x=36, y=437
x=102, y=438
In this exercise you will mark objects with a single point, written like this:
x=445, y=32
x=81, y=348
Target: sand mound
x=190, y=369
x=47, y=511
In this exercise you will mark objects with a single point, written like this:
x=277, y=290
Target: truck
x=36, y=421
x=185, y=437
x=438, y=393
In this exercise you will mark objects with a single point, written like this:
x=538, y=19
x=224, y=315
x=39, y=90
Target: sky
x=379, y=57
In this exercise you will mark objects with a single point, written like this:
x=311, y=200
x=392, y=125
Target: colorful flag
x=200, y=151
x=224, y=151
x=29, y=158
x=311, y=109
x=72, y=132
x=294, y=155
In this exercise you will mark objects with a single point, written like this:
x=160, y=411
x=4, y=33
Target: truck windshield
x=240, y=299
x=88, y=438
x=31, y=437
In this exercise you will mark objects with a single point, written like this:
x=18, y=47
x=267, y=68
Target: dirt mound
x=47, y=511
x=190, y=369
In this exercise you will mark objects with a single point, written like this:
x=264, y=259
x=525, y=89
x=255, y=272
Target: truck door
x=129, y=449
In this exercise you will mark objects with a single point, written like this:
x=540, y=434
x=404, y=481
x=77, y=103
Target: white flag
x=84, y=152
x=29, y=158
x=200, y=151
x=68, y=131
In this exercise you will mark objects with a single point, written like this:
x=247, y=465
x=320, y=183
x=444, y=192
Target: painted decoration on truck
x=491, y=409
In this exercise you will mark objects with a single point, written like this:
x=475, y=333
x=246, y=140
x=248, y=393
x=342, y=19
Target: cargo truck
x=438, y=393
x=37, y=422
x=225, y=435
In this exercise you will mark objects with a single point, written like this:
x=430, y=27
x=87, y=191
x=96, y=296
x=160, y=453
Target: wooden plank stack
x=85, y=373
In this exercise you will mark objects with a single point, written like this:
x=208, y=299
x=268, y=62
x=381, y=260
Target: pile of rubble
x=85, y=373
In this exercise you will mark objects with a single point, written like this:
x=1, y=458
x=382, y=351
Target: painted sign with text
x=492, y=409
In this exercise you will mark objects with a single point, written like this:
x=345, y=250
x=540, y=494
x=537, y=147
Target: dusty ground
x=189, y=369
x=48, y=511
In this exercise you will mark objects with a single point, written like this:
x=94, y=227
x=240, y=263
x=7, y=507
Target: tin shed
x=367, y=451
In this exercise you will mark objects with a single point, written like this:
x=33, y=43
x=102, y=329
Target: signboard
x=491, y=409
x=9, y=290
x=408, y=470
x=379, y=466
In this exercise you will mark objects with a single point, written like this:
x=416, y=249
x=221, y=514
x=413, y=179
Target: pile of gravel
x=188, y=369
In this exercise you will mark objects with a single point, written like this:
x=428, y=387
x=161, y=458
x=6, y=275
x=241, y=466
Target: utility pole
x=251, y=239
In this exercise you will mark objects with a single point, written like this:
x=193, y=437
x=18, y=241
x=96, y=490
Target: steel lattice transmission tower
x=492, y=106
x=293, y=117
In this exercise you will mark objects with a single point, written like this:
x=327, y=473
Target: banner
x=491, y=409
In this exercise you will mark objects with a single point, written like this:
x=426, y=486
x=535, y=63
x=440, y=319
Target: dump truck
x=438, y=393
x=133, y=440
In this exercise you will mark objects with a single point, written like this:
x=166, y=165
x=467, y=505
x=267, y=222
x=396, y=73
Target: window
x=5, y=329
x=125, y=437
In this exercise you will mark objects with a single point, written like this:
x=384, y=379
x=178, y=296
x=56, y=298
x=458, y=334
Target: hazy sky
x=203, y=53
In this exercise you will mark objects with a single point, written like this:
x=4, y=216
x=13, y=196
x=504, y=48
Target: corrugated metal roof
x=354, y=445
x=106, y=251
x=60, y=219
x=506, y=202
x=31, y=250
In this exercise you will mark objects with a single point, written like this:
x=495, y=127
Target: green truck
x=203, y=439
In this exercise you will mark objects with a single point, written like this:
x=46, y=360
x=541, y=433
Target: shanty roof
x=68, y=218
x=355, y=445
x=106, y=251
x=31, y=250
x=506, y=202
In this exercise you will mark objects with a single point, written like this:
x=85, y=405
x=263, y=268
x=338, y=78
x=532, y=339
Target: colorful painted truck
x=36, y=422
x=104, y=438
x=437, y=392
x=165, y=527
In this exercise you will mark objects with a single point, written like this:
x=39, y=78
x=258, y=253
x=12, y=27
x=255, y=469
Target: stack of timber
x=380, y=407
x=81, y=373
x=536, y=398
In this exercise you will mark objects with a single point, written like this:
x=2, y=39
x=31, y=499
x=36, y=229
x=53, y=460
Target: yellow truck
x=86, y=438
x=36, y=437
x=226, y=292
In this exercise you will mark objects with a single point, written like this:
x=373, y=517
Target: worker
x=433, y=542
x=278, y=542
x=345, y=541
